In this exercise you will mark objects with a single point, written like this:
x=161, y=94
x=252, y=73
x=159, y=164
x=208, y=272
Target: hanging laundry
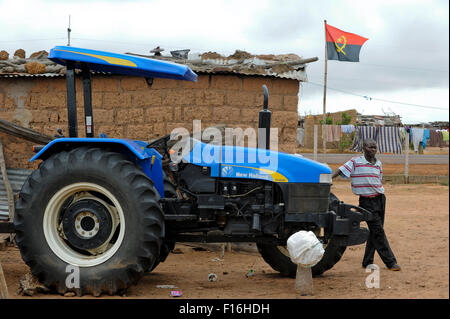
x=332, y=133
x=347, y=129
x=337, y=133
x=403, y=132
x=362, y=133
x=300, y=136
x=426, y=137
x=388, y=140
x=416, y=136
x=436, y=139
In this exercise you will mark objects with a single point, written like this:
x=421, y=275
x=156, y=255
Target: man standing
x=366, y=174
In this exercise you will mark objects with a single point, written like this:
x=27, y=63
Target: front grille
x=306, y=197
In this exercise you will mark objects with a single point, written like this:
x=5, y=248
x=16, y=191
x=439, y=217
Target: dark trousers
x=377, y=238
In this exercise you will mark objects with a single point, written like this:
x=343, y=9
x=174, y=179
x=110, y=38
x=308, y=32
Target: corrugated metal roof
x=23, y=75
x=16, y=177
x=288, y=66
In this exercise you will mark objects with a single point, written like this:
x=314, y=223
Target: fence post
x=315, y=142
x=406, y=157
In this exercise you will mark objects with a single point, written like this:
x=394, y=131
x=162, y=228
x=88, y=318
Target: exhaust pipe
x=264, y=120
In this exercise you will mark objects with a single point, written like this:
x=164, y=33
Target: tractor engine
x=234, y=206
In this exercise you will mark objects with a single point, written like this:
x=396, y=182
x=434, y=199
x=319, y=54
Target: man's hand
x=336, y=173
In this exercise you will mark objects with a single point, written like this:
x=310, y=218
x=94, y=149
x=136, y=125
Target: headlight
x=325, y=178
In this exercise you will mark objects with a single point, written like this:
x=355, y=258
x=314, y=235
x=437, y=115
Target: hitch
x=346, y=224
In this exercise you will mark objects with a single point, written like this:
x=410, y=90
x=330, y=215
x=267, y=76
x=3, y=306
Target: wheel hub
x=87, y=224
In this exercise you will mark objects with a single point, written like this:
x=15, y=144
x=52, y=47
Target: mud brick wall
x=311, y=120
x=130, y=107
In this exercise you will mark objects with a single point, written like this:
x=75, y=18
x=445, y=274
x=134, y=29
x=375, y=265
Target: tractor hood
x=254, y=163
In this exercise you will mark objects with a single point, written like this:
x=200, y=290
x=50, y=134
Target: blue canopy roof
x=121, y=63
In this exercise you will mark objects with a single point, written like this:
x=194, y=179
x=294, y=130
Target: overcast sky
x=406, y=58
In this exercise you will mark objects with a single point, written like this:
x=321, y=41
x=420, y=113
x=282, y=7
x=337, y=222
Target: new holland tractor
x=114, y=207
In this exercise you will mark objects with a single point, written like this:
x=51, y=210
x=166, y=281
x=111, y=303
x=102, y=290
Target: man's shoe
x=395, y=267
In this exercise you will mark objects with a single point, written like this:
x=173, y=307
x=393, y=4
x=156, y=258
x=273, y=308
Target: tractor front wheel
x=88, y=221
x=278, y=256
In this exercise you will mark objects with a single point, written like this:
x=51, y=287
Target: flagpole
x=324, y=95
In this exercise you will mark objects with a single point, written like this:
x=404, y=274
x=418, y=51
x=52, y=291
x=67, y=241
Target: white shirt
x=366, y=178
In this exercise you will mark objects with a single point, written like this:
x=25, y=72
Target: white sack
x=304, y=248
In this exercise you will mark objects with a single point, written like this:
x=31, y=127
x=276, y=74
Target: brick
x=240, y=99
x=287, y=148
x=209, y=98
x=32, y=101
x=282, y=119
x=41, y=116
x=250, y=114
x=178, y=113
x=103, y=116
x=58, y=85
x=202, y=83
x=10, y=103
x=7, y=115
x=133, y=84
x=256, y=83
x=174, y=125
x=285, y=86
x=225, y=114
x=139, y=131
x=159, y=83
x=226, y=82
x=111, y=100
x=289, y=134
x=156, y=114
x=197, y=113
x=61, y=116
x=40, y=86
x=131, y=115
x=114, y=131
x=50, y=100
x=148, y=98
x=179, y=97
x=105, y=84
x=159, y=129
x=291, y=102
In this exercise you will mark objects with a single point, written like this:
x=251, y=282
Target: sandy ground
x=417, y=224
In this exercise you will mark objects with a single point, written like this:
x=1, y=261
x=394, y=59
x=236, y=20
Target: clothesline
x=390, y=139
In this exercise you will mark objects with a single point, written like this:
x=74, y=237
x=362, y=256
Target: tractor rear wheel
x=278, y=256
x=88, y=221
x=170, y=191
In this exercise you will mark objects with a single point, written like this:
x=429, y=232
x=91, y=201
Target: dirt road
x=417, y=224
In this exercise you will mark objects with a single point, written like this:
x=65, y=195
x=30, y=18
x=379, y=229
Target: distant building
x=378, y=120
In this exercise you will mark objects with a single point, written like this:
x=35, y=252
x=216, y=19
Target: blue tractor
x=115, y=208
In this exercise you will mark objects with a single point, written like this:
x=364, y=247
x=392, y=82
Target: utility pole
x=325, y=94
x=68, y=33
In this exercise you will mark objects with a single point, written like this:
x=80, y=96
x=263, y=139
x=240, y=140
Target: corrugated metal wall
x=16, y=177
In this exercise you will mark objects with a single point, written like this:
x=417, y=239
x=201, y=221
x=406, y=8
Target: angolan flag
x=343, y=46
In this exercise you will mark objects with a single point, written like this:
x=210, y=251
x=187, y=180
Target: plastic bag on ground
x=305, y=249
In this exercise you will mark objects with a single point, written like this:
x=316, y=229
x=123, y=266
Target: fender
x=147, y=158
